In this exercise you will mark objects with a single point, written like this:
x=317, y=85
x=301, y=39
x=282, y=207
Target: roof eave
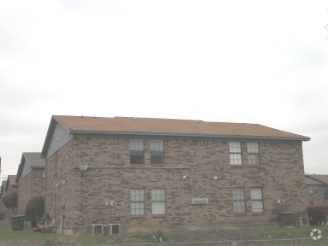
x=52, y=125
x=37, y=167
x=85, y=132
x=310, y=177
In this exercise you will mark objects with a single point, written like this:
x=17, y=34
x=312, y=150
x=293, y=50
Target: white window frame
x=313, y=188
x=158, y=200
x=253, y=153
x=43, y=178
x=137, y=199
x=257, y=200
x=137, y=150
x=238, y=200
x=235, y=153
x=157, y=151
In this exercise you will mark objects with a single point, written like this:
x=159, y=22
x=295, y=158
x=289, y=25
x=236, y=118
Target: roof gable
x=33, y=160
x=11, y=181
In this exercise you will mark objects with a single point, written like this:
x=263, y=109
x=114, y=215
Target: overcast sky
x=263, y=62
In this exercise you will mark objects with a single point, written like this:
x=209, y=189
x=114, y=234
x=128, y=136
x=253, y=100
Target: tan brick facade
x=319, y=197
x=317, y=189
x=110, y=176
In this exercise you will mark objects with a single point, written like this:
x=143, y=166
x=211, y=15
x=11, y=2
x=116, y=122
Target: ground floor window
x=257, y=200
x=314, y=202
x=137, y=201
x=158, y=201
x=238, y=197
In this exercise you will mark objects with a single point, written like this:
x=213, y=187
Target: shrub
x=10, y=201
x=317, y=214
x=34, y=209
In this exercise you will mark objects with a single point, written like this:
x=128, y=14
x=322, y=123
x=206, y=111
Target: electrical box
x=199, y=201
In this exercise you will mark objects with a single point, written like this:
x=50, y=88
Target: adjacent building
x=30, y=178
x=142, y=172
x=3, y=208
x=10, y=187
x=317, y=186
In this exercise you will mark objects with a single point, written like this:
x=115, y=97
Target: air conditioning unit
x=114, y=229
x=97, y=229
x=199, y=201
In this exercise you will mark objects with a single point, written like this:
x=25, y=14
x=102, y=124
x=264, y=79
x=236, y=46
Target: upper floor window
x=137, y=201
x=158, y=201
x=136, y=151
x=257, y=199
x=238, y=197
x=156, y=151
x=253, y=153
x=235, y=153
x=313, y=189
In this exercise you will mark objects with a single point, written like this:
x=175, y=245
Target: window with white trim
x=257, y=200
x=253, y=156
x=235, y=153
x=43, y=178
x=136, y=151
x=238, y=199
x=314, y=202
x=156, y=151
x=313, y=189
x=137, y=198
x=158, y=201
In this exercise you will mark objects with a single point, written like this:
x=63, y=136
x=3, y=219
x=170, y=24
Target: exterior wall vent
x=199, y=201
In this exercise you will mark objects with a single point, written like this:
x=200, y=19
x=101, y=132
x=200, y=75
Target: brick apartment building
x=317, y=188
x=162, y=172
x=10, y=186
x=3, y=208
x=30, y=178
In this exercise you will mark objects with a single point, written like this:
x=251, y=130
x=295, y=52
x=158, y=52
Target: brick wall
x=319, y=196
x=110, y=176
x=29, y=186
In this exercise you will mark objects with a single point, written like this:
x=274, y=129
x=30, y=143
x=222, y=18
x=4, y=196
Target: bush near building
x=318, y=214
x=34, y=210
x=10, y=200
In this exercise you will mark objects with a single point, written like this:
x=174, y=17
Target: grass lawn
x=29, y=237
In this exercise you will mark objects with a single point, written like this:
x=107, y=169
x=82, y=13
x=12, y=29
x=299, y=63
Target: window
x=137, y=201
x=43, y=178
x=238, y=197
x=136, y=151
x=313, y=189
x=314, y=202
x=256, y=200
x=235, y=153
x=158, y=201
x=156, y=151
x=253, y=153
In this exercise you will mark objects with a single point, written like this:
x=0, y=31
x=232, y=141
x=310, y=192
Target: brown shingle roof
x=34, y=159
x=11, y=180
x=126, y=125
